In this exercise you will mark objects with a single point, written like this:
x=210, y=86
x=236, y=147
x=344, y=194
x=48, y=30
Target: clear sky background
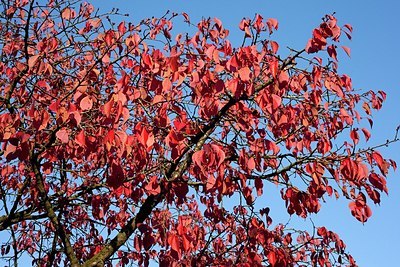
x=373, y=65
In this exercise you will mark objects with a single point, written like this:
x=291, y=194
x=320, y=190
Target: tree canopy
x=127, y=142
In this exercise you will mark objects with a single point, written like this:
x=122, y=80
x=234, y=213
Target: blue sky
x=373, y=65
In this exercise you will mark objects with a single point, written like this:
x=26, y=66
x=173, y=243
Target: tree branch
x=51, y=213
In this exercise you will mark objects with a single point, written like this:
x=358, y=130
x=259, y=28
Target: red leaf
x=348, y=35
x=32, y=61
x=148, y=241
x=360, y=210
x=276, y=101
x=173, y=138
x=244, y=26
x=258, y=24
x=132, y=41
x=394, y=164
x=86, y=103
x=122, y=28
x=109, y=139
x=383, y=94
x=378, y=158
x=116, y=177
x=80, y=138
x=146, y=138
x=378, y=182
x=366, y=133
x=272, y=258
x=166, y=84
x=63, y=135
x=153, y=187
x=173, y=241
x=186, y=243
x=197, y=158
x=321, y=260
x=272, y=24
x=274, y=46
x=54, y=106
x=368, y=211
x=322, y=231
x=186, y=17
x=251, y=164
x=354, y=136
x=76, y=116
x=105, y=59
x=274, y=67
x=43, y=120
x=259, y=186
x=244, y=74
x=68, y=13
x=366, y=108
x=332, y=52
x=107, y=108
x=272, y=147
x=220, y=154
x=109, y=38
x=9, y=151
x=210, y=52
x=243, y=23
x=346, y=49
x=349, y=27
x=95, y=22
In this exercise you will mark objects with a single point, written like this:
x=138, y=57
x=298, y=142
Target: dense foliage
x=125, y=143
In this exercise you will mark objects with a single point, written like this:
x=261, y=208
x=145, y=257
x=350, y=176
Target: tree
x=122, y=142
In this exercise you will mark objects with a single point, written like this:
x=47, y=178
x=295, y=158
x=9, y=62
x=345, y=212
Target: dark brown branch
x=27, y=214
x=11, y=214
x=51, y=213
x=6, y=222
x=22, y=73
x=14, y=240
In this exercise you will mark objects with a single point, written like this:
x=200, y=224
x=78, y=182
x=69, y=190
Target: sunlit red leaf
x=272, y=24
x=107, y=108
x=86, y=103
x=220, y=154
x=244, y=74
x=272, y=258
x=32, y=61
x=378, y=158
x=276, y=101
x=153, y=187
x=68, y=13
x=366, y=133
x=173, y=241
x=63, y=135
x=122, y=27
x=274, y=46
x=346, y=49
x=80, y=138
